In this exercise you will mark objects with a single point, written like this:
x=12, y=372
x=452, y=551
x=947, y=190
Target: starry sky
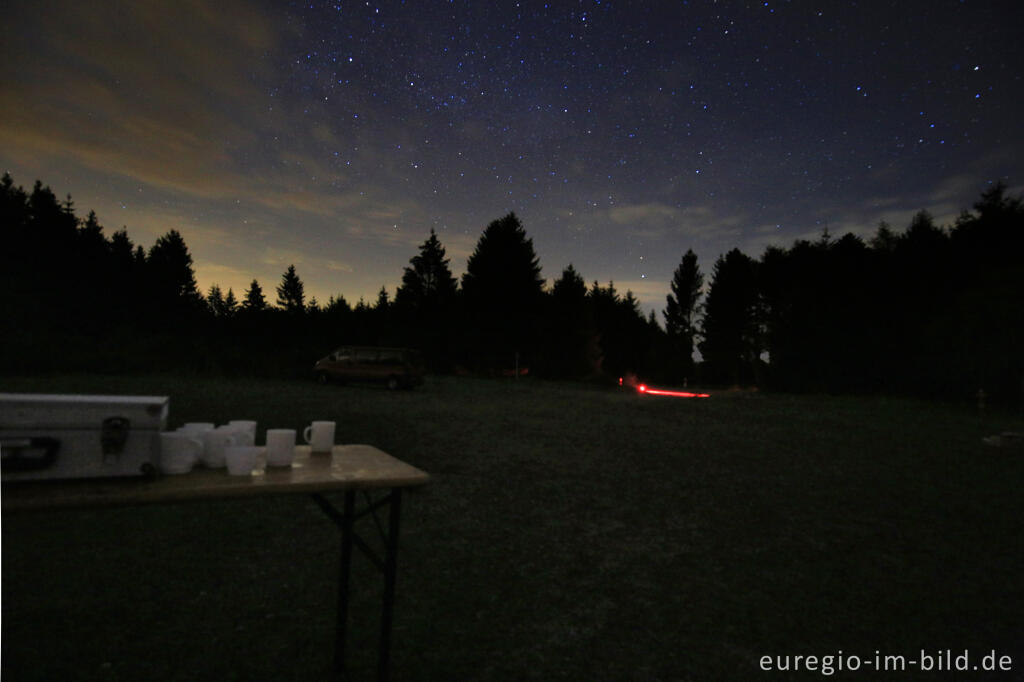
x=336, y=135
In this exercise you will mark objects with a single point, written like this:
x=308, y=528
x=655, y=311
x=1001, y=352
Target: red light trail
x=642, y=388
x=645, y=389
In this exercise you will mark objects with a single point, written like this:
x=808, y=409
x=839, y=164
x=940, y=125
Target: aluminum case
x=51, y=436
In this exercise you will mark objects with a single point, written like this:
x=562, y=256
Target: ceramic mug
x=215, y=442
x=280, y=447
x=245, y=427
x=241, y=459
x=197, y=426
x=179, y=451
x=320, y=435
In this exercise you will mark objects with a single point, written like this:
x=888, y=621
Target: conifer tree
x=171, y=276
x=503, y=290
x=427, y=282
x=254, y=299
x=230, y=302
x=682, y=310
x=730, y=330
x=290, y=293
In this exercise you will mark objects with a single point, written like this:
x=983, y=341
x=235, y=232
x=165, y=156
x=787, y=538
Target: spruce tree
x=503, y=292
x=682, y=310
x=290, y=293
x=254, y=299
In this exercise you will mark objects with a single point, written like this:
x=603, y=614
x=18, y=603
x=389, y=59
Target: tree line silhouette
x=932, y=311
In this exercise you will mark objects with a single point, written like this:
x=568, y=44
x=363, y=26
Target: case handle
x=27, y=454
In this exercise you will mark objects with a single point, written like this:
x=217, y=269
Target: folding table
x=347, y=469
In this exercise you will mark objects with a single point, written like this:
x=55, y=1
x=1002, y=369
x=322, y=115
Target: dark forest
x=934, y=311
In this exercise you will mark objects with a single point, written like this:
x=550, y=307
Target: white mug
x=245, y=427
x=280, y=447
x=179, y=451
x=215, y=442
x=241, y=459
x=320, y=435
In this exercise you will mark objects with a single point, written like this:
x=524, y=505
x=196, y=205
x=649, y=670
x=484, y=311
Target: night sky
x=335, y=135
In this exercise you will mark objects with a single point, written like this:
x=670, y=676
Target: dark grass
x=569, y=533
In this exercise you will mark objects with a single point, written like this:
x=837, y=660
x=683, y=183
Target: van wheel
x=392, y=383
x=322, y=378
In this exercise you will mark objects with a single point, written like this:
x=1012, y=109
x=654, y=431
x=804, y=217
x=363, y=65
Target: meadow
x=570, y=532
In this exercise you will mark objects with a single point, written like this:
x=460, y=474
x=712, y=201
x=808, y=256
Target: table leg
x=349, y=540
x=344, y=570
x=390, y=573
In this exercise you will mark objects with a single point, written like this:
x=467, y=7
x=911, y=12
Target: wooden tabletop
x=346, y=467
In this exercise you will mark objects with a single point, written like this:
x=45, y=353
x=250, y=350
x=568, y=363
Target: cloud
x=650, y=216
x=143, y=90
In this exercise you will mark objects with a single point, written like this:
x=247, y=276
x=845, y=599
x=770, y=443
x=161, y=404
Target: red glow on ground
x=642, y=388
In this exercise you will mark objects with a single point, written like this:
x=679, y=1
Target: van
x=395, y=367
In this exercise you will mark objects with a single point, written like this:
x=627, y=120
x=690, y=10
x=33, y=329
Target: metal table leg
x=345, y=521
x=390, y=573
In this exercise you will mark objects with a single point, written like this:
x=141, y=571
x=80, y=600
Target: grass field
x=569, y=533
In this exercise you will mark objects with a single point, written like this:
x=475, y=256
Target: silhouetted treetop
x=730, y=329
x=503, y=290
x=254, y=298
x=171, y=273
x=291, y=295
x=682, y=310
x=427, y=281
x=503, y=266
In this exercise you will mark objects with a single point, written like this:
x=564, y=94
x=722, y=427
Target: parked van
x=396, y=367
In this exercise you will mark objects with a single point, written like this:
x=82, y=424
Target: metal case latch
x=113, y=437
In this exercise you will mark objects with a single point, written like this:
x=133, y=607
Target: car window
x=365, y=356
x=342, y=356
x=390, y=357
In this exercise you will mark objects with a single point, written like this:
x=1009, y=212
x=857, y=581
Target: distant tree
x=125, y=274
x=333, y=322
x=52, y=223
x=995, y=205
x=983, y=322
x=383, y=300
x=637, y=335
x=230, y=302
x=425, y=303
x=731, y=334
x=427, y=282
x=571, y=342
x=13, y=218
x=215, y=301
x=622, y=332
x=254, y=299
x=121, y=249
x=682, y=310
x=49, y=257
x=171, y=276
x=93, y=271
x=337, y=305
x=570, y=289
x=220, y=304
x=503, y=291
x=885, y=239
x=90, y=237
x=290, y=293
